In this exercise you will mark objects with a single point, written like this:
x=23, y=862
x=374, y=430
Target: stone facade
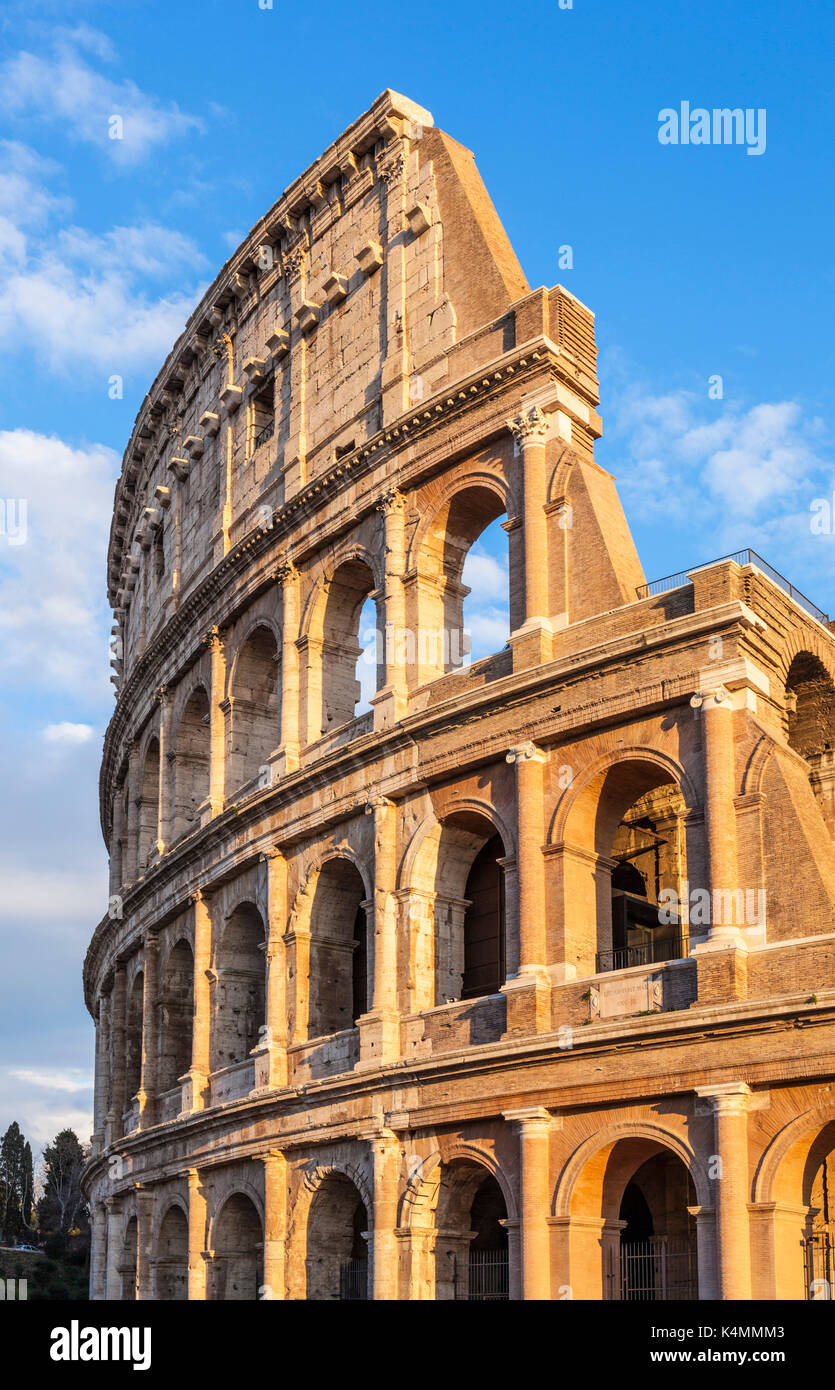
x=521, y=984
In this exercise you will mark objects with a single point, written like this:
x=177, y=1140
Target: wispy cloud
x=62, y=87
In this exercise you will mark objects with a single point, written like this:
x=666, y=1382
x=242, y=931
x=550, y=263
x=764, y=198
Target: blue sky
x=698, y=261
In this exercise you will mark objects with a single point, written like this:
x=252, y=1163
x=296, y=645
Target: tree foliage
x=16, y=1185
x=63, y=1205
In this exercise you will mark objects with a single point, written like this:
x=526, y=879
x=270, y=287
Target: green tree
x=15, y=1185
x=63, y=1205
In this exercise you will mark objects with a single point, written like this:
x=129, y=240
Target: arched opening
x=172, y=1257
x=345, y=602
x=133, y=1038
x=240, y=988
x=803, y=1194
x=237, y=1269
x=149, y=805
x=463, y=533
x=368, y=674
x=820, y=1239
x=255, y=707
x=485, y=614
x=338, y=949
x=471, y=1250
x=191, y=763
x=176, y=1019
x=810, y=720
x=649, y=853
x=128, y=1262
x=337, y=1253
x=657, y=1254
x=458, y=878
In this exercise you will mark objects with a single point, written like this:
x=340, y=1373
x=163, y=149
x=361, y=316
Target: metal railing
x=742, y=557
x=353, y=1281
x=658, y=1270
x=488, y=1278
x=819, y=1265
x=649, y=952
x=266, y=432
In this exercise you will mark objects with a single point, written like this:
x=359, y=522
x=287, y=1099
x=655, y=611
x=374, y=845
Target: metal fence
x=657, y=1270
x=742, y=557
x=819, y=1265
x=488, y=1278
x=353, y=1281
x=649, y=952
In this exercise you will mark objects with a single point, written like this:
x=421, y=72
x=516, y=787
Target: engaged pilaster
x=729, y=1171
x=531, y=643
x=533, y=1127
x=528, y=992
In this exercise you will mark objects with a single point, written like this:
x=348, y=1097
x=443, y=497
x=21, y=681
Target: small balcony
x=655, y=949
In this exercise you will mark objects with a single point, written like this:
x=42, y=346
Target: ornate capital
x=391, y=501
x=294, y=261
x=720, y=697
x=391, y=164
x=529, y=427
x=526, y=753
x=377, y=803
x=285, y=572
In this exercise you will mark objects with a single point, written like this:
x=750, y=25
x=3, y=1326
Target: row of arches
x=632, y=1221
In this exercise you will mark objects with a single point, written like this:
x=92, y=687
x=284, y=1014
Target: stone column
x=393, y=169
x=271, y=1061
x=532, y=644
x=194, y=1094
x=288, y=749
x=118, y=847
x=144, y=1242
x=529, y=990
x=385, y=1158
x=163, y=699
x=729, y=1170
x=150, y=1038
x=114, y=1128
x=380, y=1026
x=113, y=1280
x=275, y=1225
x=720, y=813
x=217, y=721
x=98, y=1250
x=533, y=1127
x=102, y=1072
x=390, y=701
x=196, y=1238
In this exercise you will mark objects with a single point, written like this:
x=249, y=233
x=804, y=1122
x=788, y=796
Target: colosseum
x=518, y=983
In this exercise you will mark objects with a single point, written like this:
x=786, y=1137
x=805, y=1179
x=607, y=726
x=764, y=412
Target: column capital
x=530, y=426
x=285, y=572
x=719, y=698
x=529, y=1119
x=377, y=803
x=391, y=501
x=526, y=753
x=212, y=638
x=728, y=1098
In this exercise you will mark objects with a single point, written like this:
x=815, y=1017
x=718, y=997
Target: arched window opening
x=485, y=614
x=648, y=924
x=149, y=805
x=367, y=672
x=240, y=988
x=128, y=1262
x=237, y=1268
x=338, y=949
x=176, y=1015
x=471, y=1251
x=657, y=1255
x=255, y=707
x=460, y=866
x=812, y=1168
x=810, y=717
x=172, y=1257
x=347, y=592
x=191, y=763
x=484, y=923
x=133, y=1039
x=337, y=1252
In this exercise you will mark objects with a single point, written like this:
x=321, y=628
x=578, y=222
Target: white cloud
x=74, y=1079
x=62, y=88
x=52, y=600
x=66, y=733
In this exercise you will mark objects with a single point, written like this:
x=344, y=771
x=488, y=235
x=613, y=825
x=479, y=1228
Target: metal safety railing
x=819, y=1265
x=488, y=1277
x=649, y=952
x=660, y=1270
x=353, y=1281
x=742, y=557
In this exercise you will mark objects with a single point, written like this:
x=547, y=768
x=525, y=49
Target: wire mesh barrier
x=353, y=1281
x=741, y=557
x=650, y=952
x=656, y=1270
x=488, y=1278
x=819, y=1265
